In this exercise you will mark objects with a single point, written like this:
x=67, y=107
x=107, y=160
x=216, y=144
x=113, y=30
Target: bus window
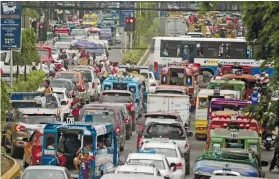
x=210, y=49
x=199, y=50
x=202, y=102
x=236, y=50
x=170, y=48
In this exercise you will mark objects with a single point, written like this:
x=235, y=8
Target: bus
x=90, y=20
x=208, y=52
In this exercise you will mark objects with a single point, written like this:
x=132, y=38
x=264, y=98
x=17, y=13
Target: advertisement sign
x=10, y=25
x=126, y=11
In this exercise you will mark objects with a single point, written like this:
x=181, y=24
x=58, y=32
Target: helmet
x=266, y=75
x=255, y=92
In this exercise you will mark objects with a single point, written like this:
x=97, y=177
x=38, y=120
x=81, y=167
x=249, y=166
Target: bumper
x=19, y=143
x=201, y=127
x=128, y=127
x=178, y=174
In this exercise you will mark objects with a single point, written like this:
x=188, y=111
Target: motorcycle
x=268, y=141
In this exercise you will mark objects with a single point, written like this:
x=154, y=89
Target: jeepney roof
x=229, y=101
x=226, y=133
x=243, y=76
x=210, y=92
x=171, y=87
x=118, y=91
x=226, y=82
x=99, y=129
x=162, y=113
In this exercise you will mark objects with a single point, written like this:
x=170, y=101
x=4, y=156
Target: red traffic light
x=130, y=20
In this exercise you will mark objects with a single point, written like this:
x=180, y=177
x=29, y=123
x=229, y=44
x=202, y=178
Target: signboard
x=126, y=12
x=10, y=24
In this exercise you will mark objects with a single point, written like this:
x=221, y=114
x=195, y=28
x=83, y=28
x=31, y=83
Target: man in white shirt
x=52, y=69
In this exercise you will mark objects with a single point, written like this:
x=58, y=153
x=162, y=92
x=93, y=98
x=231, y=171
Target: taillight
x=133, y=108
x=178, y=166
x=186, y=145
x=141, y=143
x=200, y=128
x=93, y=85
x=117, y=130
x=58, y=113
x=19, y=128
x=127, y=121
x=153, y=84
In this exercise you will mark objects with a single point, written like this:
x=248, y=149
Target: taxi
x=173, y=154
x=138, y=168
x=150, y=157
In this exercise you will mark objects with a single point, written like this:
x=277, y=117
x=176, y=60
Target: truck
x=170, y=103
x=173, y=27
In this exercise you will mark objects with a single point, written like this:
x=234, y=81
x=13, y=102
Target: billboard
x=10, y=25
x=127, y=10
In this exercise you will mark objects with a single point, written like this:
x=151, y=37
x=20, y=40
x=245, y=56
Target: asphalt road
x=116, y=50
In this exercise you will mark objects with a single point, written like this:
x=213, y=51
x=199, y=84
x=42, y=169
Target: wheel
x=187, y=167
x=128, y=135
x=122, y=148
x=14, y=150
x=25, y=164
x=206, y=77
x=133, y=126
x=8, y=150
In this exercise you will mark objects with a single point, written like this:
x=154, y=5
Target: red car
x=33, y=149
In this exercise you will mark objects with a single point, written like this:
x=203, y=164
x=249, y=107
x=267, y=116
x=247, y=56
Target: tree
x=28, y=53
x=5, y=101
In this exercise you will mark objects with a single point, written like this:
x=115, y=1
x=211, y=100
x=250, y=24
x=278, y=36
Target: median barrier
x=14, y=170
x=144, y=57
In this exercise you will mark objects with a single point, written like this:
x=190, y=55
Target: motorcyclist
x=255, y=97
x=276, y=152
x=265, y=79
x=75, y=106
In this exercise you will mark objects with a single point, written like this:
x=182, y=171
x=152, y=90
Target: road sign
x=127, y=11
x=10, y=25
x=42, y=35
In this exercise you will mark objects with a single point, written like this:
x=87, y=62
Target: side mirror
x=264, y=163
x=190, y=134
x=109, y=48
x=166, y=177
x=172, y=165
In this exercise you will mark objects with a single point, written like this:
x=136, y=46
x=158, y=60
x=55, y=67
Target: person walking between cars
x=276, y=152
x=75, y=106
x=219, y=70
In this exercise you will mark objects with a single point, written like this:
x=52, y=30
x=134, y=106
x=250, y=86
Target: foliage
x=34, y=79
x=28, y=53
x=31, y=13
x=5, y=102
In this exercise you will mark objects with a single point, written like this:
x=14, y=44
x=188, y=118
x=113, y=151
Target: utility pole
x=125, y=42
x=11, y=68
x=131, y=43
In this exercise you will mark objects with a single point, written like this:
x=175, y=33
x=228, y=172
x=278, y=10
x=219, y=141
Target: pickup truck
x=170, y=103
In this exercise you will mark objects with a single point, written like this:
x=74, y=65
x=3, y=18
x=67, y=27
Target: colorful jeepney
x=204, y=98
x=249, y=80
x=44, y=52
x=62, y=29
x=234, y=138
x=101, y=160
x=228, y=162
x=129, y=83
x=229, y=85
x=236, y=69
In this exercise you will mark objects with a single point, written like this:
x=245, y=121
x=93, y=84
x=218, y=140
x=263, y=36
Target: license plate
x=70, y=120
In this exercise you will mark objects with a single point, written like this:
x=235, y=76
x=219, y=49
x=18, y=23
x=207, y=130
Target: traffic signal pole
x=131, y=43
x=125, y=42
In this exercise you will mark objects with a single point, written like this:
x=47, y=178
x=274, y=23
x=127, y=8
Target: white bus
x=206, y=51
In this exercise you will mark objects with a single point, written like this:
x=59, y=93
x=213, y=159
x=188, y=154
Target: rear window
x=98, y=116
x=59, y=84
x=87, y=76
x=71, y=76
x=38, y=118
x=167, y=152
x=158, y=130
x=60, y=95
x=116, y=98
x=159, y=164
x=168, y=92
x=161, y=116
x=43, y=174
x=119, y=86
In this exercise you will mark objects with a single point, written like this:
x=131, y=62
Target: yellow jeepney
x=90, y=20
x=202, y=108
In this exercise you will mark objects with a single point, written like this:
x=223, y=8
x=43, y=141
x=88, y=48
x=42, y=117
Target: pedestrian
x=73, y=62
x=219, y=70
x=75, y=106
x=48, y=89
x=276, y=152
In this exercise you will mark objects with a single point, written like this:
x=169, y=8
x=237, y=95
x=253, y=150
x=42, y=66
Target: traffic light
x=130, y=24
x=42, y=34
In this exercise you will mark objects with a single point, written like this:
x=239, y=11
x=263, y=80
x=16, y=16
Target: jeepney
x=229, y=85
x=204, y=98
x=44, y=52
x=249, y=80
x=233, y=137
x=129, y=83
x=236, y=69
x=62, y=29
x=228, y=162
x=101, y=160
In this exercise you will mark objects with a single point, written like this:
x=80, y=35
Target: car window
x=171, y=131
x=98, y=116
x=167, y=152
x=38, y=118
x=159, y=164
x=43, y=174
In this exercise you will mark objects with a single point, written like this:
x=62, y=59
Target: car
x=33, y=148
x=118, y=37
x=138, y=169
x=173, y=154
x=127, y=119
x=150, y=157
x=105, y=113
x=90, y=78
x=174, y=131
x=45, y=172
x=65, y=102
x=22, y=124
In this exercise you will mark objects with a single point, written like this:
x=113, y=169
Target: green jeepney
x=229, y=85
x=71, y=26
x=234, y=138
x=229, y=162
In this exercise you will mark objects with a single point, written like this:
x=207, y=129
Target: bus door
x=188, y=52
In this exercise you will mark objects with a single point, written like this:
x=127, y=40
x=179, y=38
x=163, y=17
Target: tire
x=187, y=167
x=133, y=126
x=24, y=161
x=122, y=148
x=204, y=81
x=128, y=135
x=15, y=152
x=5, y=145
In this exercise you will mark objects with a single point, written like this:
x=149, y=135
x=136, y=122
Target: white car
x=151, y=82
x=138, y=169
x=90, y=77
x=158, y=160
x=65, y=101
x=172, y=152
x=118, y=37
x=45, y=172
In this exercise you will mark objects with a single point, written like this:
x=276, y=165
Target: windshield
x=145, y=75
x=43, y=174
x=168, y=92
x=177, y=77
x=98, y=116
x=38, y=118
x=60, y=95
x=62, y=45
x=159, y=164
x=66, y=39
x=167, y=152
x=54, y=51
x=72, y=76
x=78, y=32
x=43, y=53
x=120, y=86
x=87, y=76
x=116, y=98
x=158, y=130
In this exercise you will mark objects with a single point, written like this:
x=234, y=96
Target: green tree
x=28, y=53
x=5, y=101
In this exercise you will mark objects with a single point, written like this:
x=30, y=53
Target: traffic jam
x=82, y=117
